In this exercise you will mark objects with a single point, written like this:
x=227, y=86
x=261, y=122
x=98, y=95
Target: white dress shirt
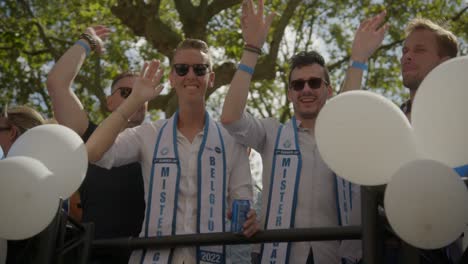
x=137, y=145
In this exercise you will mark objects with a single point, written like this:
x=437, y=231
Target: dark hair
x=446, y=40
x=121, y=76
x=305, y=58
x=195, y=44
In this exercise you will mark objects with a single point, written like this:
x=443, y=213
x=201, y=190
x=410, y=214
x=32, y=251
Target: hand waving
x=147, y=85
x=368, y=37
x=254, y=25
x=99, y=34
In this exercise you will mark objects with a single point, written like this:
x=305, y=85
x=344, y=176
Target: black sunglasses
x=124, y=91
x=314, y=83
x=199, y=69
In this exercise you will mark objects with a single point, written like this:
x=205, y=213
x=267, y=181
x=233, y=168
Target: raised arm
x=68, y=110
x=254, y=30
x=367, y=39
x=146, y=87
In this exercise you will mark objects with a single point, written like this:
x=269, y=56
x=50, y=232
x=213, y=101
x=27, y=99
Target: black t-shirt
x=114, y=201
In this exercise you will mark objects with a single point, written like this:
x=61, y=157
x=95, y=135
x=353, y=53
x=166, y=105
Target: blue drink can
x=240, y=208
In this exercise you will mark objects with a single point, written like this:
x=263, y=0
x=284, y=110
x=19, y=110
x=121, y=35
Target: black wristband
x=90, y=40
x=253, y=49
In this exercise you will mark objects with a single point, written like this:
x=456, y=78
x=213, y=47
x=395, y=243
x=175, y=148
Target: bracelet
x=359, y=65
x=253, y=49
x=245, y=68
x=84, y=45
x=90, y=40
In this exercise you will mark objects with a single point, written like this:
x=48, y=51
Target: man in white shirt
x=190, y=163
x=299, y=188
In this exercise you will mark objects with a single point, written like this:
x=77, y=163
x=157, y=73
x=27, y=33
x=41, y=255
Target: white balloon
x=426, y=204
x=364, y=137
x=61, y=150
x=440, y=111
x=27, y=205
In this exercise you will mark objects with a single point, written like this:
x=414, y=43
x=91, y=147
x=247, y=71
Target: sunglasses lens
x=125, y=92
x=297, y=85
x=200, y=69
x=314, y=83
x=181, y=69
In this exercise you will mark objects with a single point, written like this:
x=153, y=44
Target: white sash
x=286, y=171
x=285, y=177
x=348, y=203
x=161, y=210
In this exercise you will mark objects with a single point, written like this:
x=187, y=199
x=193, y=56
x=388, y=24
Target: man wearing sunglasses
x=113, y=199
x=192, y=167
x=299, y=188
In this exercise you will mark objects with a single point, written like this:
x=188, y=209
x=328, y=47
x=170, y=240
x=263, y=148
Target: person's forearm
x=67, y=108
x=106, y=133
x=236, y=98
x=66, y=68
x=352, y=79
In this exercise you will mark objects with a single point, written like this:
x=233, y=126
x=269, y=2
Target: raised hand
x=99, y=34
x=147, y=85
x=368, y=37
x=254, y=25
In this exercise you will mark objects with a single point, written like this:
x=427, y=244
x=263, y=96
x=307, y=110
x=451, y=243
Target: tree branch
x=41, y=29
x=219, y=5
x=144, y=22
x=185, y=9
x=194, y=18
x=459, y=14
x=35, y=52
x=385, y=47
x=266, y=67
x=223, y=76
x=155, y=5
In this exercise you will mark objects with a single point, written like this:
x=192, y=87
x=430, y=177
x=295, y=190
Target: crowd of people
x=180, y=175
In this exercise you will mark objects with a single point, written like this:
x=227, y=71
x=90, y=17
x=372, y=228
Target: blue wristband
x=83, y=44
x=359, y=65
x=246, y=68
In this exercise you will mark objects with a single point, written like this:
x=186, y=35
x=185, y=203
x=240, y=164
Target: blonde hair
x=195, y=44
x=446, y=40
x=23, y=117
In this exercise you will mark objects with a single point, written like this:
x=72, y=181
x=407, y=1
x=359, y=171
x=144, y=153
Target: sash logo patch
x=164, y=151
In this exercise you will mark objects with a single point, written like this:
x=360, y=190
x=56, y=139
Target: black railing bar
x=224, y=238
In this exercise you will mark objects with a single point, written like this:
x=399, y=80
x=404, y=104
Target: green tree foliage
x=35, y=33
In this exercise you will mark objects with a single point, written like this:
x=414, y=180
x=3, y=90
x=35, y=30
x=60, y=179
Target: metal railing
x=69, y=235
